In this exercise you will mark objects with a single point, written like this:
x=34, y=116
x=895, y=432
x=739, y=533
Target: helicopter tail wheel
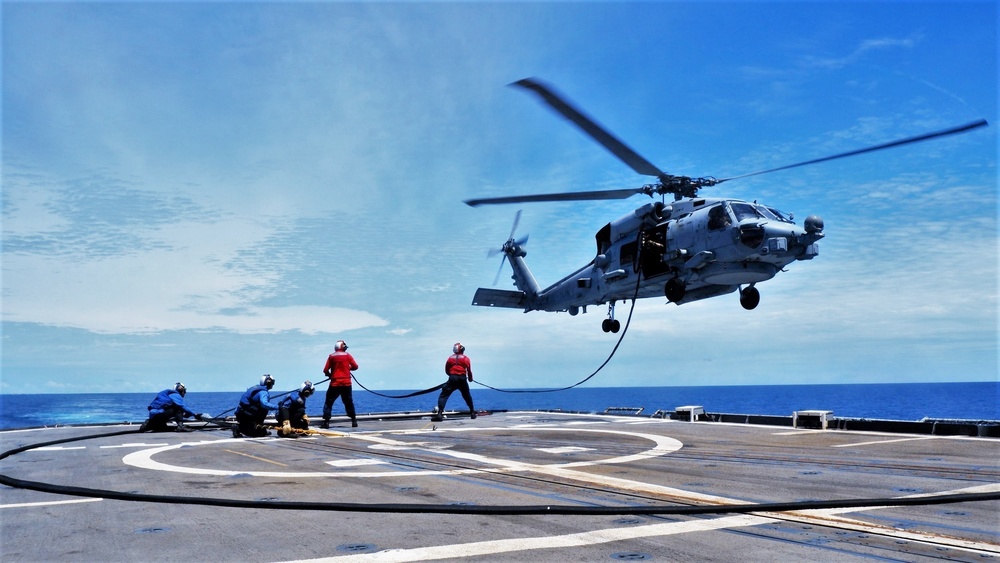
x=674, y=290
x=749, y=298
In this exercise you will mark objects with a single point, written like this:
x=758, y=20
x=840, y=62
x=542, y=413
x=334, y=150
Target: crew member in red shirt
x=338, y=368
x=459, y=370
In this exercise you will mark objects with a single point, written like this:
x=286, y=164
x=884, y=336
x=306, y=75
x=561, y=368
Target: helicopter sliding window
x=654, y=244
x=718, y=217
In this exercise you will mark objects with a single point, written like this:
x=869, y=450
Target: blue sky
x=207, y=192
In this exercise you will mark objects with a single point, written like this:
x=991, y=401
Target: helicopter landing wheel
x=610, y=324
x=749, y=298
x=674, y=290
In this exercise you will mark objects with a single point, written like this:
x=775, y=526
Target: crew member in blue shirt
x=292, y=411
x=253, y=408
x=169, y=405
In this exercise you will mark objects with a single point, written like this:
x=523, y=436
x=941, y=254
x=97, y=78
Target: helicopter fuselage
x=691, y=249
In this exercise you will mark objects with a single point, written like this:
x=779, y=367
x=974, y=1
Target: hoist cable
x=628, y=321
x=414, y=394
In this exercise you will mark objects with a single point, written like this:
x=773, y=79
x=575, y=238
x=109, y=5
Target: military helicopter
x=689, y=249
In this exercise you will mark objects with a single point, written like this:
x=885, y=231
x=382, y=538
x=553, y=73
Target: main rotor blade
x=900, y=142
x=565, y=196
x=590, y=127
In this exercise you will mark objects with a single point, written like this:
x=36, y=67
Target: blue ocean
x=888, y=401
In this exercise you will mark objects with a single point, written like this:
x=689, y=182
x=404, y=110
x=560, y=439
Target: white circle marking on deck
x=663, y=445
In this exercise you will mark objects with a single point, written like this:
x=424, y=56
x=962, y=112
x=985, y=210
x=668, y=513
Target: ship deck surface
x=408, y=489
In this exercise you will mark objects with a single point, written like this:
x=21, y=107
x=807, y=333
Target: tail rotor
x=513, y=247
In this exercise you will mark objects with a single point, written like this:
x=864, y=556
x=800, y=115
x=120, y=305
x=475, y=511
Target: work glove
x=470, y=377
x=305, y=418
x=202, y=416
x=286, y=428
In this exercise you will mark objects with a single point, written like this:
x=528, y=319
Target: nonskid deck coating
x=508, y=459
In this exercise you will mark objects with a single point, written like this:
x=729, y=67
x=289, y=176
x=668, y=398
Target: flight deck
x=512, y=486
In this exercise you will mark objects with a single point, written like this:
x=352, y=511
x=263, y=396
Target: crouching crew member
x=292, y=412
x=338, y=368
x=253, y=408
x=169, y=405
x=459, y=370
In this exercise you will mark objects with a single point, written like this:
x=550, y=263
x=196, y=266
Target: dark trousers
x=344, y=392
x=158, y=422
x=295, y=418
x=460, y=383
x=251, y=424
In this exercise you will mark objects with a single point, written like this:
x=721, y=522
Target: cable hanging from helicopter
x=693, y=247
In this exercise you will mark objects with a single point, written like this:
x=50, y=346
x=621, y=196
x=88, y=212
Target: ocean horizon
x=883, y=401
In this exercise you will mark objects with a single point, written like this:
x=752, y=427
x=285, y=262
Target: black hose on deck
x=486, y=510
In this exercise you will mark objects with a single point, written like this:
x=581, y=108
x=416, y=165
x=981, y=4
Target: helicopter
x=686, y=250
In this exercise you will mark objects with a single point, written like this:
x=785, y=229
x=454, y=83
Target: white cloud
x=191, y=279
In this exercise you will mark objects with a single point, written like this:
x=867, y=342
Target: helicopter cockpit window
x=781, y=216
x=766, y=213
x=745, y=211
x=718, y=217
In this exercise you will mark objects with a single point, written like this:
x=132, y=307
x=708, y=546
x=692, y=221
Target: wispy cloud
x=147, y=263
x=861, y=51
